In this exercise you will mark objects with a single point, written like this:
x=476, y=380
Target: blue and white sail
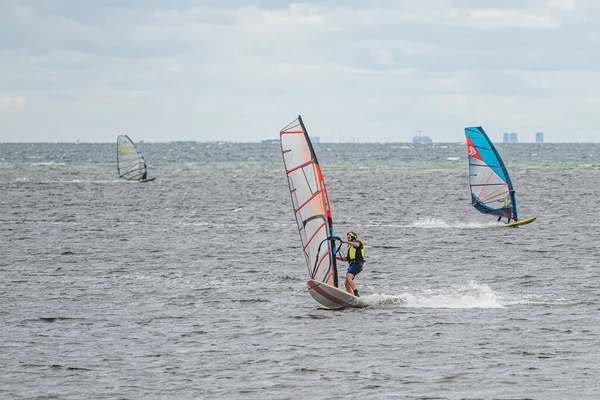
x=491, y=188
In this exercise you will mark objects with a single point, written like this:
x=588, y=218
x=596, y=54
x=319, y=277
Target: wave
x=437, y=223
x=471, y=295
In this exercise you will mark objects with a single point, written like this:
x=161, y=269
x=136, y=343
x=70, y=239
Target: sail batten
x=310, y=202
x=314, y=235
x=491, y=188
x=486, y=165
x=301, y=166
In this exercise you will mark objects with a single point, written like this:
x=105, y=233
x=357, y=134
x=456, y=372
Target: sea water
x=193, y=286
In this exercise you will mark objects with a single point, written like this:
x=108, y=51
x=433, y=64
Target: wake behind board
x=521, y=222
x=332, y=297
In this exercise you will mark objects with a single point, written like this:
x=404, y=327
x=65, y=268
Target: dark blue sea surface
x=193, y=286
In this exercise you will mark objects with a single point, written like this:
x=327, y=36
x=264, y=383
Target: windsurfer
x=507, y=209
x=355, y=258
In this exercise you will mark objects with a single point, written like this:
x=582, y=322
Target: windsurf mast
x=492, y=191
x=130, y=162
x=310, y=202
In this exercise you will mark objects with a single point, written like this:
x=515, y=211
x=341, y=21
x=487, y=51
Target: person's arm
x=353, y=244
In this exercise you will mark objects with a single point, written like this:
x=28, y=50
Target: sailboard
x=521, y=222
x=310, y=202
x=492, y=190
x=131, y=165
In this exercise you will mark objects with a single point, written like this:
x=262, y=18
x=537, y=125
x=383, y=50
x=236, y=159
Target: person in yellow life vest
x=506, y=209
x=355, y=258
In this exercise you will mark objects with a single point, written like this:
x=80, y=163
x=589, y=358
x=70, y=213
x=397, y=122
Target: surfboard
x=332, y=297
x=521, y=222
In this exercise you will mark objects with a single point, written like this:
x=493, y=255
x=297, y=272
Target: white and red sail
x=310, y=202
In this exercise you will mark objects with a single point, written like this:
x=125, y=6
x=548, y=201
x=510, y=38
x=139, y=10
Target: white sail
x=130, y=162
x=310, y=202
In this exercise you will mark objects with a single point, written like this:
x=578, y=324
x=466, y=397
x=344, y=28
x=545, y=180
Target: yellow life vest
x=352, y=252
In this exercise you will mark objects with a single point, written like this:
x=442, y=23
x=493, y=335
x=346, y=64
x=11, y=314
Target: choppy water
x=193, y=286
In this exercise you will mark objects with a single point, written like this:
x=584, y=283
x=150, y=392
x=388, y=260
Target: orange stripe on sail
x=300, y=166
x=319, y=266
x=486, y=182
x=314, y=234
x=307, y=201
x=500, y=188
x=291, y=132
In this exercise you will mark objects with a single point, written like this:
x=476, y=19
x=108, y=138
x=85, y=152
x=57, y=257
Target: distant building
x=510, y=137
x=420, y=139
x=315, y=139
x=539, y=137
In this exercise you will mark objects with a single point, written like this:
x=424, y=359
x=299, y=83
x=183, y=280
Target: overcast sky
x=240, y=70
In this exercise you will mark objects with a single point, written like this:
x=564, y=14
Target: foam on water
x=48, y=163
x=470, y=295
x=432, y=222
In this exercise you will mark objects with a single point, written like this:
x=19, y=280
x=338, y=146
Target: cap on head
x=353, y=235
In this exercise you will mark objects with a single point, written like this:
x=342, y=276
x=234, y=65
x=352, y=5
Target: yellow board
x=521, y=222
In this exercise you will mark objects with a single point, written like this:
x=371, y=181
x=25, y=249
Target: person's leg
x=349, y=283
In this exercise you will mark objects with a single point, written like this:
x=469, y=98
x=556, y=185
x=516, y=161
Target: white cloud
x=12, y=101
x=565, y=5
x=496, y=18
